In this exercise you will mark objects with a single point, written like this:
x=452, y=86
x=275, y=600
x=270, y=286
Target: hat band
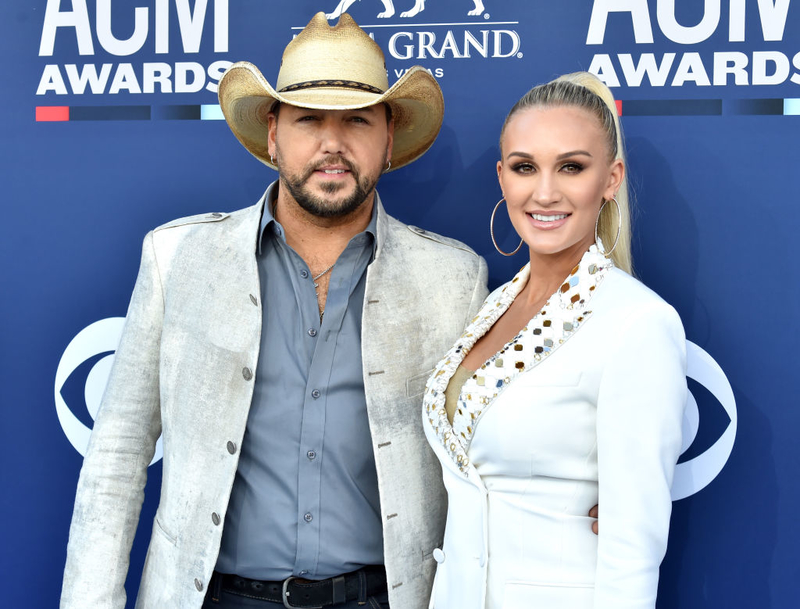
x=340, y=84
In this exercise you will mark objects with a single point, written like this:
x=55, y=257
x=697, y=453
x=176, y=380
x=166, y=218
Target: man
x=282, y=350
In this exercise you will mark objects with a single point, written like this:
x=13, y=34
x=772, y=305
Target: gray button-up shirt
x=305, y=499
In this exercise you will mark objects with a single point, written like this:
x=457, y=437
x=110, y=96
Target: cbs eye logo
x=696, y=473
x=87, y=360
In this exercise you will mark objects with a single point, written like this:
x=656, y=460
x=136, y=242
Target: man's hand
x=593, y=513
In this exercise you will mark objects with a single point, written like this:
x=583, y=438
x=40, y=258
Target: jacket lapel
x=562, y=316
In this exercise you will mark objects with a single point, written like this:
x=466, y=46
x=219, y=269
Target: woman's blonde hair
x=584, y=90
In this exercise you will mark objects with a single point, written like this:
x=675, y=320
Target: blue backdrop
x=110, y=128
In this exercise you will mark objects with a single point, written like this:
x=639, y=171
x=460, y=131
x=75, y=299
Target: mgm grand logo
x=388, y=9
x=469, y=33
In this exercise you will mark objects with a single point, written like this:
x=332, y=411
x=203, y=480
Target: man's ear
x=390, y=142
x=272, y=129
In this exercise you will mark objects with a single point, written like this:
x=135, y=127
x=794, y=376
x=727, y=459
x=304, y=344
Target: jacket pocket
x=159, y=528
x=524, y=595
x=415, y=385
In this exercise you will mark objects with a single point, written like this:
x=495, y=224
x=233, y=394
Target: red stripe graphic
x=619, y=107
x=52, y=113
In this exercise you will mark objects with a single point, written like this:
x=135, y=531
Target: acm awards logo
x=100, y=340
x=719, y=58
x=70, y=25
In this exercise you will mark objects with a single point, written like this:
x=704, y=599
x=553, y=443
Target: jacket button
x=215, y=519
x=247, y=374
x=198, y=584
x=438, y=555
x=231, y=447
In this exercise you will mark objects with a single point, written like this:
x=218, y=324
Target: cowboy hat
x=333, y=68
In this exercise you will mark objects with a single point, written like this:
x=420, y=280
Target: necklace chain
x=316, y=287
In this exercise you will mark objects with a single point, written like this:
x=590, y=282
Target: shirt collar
x=270, y=226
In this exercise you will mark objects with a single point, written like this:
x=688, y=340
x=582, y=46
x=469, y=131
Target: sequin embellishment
x=562, y=315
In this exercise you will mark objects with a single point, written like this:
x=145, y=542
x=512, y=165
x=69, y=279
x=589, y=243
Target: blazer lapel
x=560, y=318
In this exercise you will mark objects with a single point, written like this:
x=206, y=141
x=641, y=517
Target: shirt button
x=304, y=273
x=308, y=517
x=312, y=332
x=304, y=572
x=311, y=455
x=254, y=300
x=231, y=447
x=438, y=555
x=315, y=394
x=215, y=519
x=198, y=584
x=247, y=374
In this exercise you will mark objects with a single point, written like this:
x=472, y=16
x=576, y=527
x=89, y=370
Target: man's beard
x=328, y=208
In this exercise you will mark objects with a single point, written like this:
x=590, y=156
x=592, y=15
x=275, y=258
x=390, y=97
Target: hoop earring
x=388, y=166
x=597, y=225
x=491, y=232
x=272, y=158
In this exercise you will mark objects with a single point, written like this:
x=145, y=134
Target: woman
x=566, y=390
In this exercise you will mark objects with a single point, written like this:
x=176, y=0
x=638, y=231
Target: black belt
x=299, y=593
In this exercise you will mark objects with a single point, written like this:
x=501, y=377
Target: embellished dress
x=584, y=405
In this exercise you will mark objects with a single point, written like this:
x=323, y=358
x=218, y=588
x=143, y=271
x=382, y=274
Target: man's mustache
x=332, y=159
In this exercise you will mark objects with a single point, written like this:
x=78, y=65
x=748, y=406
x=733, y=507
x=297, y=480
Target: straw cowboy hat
x=333, y=68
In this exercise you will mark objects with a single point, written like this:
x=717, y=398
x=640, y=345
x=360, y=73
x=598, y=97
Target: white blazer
x=596, y=417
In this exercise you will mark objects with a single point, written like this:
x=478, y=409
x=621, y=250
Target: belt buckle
x=285, y=595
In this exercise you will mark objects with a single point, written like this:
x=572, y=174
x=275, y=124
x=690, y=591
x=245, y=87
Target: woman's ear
x=616, y=175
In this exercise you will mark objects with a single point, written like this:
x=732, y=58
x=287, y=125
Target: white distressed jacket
x=184, y=368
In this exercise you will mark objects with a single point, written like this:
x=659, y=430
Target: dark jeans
x=228, y=600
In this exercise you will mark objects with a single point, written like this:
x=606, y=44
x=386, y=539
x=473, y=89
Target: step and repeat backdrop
x=110, y=127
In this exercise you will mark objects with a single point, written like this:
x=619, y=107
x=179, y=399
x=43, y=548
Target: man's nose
x=332, y=138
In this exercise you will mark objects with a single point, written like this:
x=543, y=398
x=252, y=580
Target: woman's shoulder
x=626, y=295
x=620, y=284
x=632, y=317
